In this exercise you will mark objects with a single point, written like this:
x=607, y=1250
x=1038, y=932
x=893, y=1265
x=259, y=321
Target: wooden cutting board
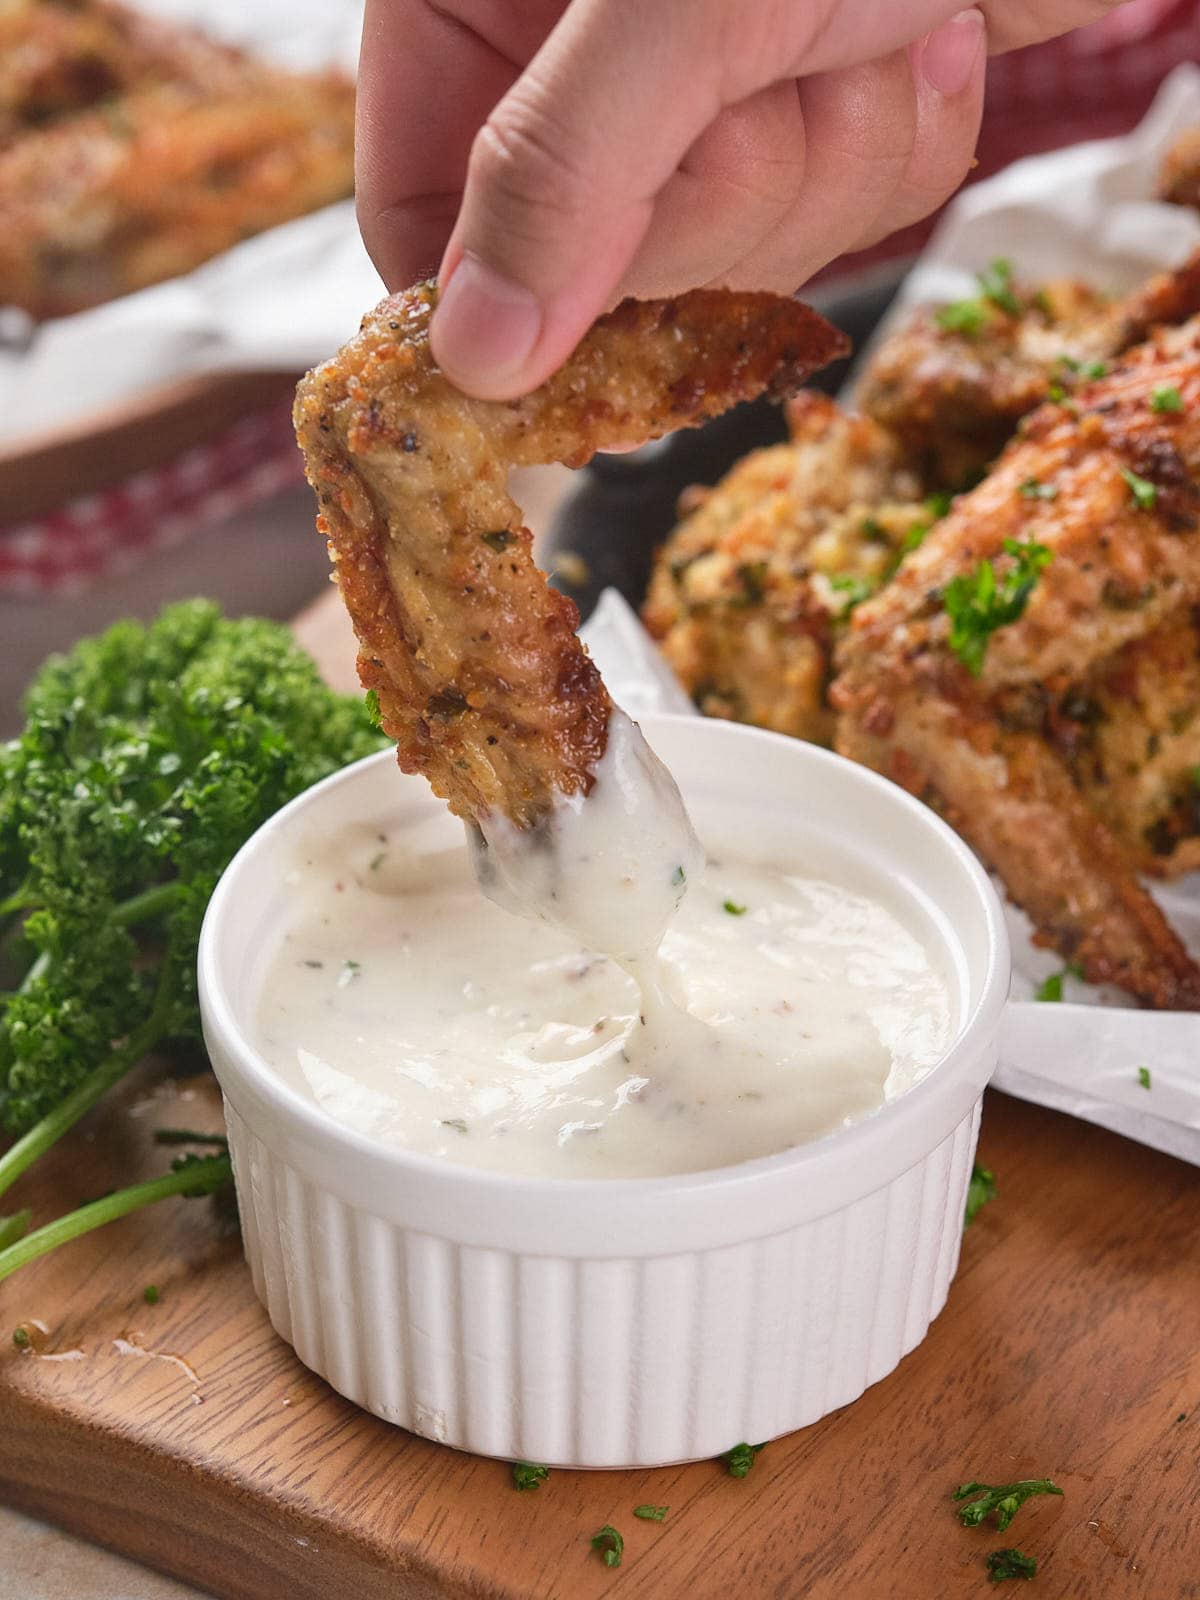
x=185, y=1433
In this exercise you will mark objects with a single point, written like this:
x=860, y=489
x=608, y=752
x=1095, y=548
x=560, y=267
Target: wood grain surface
x=187, y=1434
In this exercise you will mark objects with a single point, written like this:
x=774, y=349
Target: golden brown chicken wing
x=480, y=677
x=953, y=382
x=1027, y=599
x=749, y=591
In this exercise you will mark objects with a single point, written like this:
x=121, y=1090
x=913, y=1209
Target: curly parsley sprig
x=149, y=755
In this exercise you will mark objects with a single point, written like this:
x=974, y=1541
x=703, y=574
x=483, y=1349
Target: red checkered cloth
x=1093, y=83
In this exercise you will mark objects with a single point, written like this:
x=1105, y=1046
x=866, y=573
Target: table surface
x=188, y=1434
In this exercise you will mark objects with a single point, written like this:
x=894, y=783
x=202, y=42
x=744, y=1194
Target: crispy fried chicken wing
x=115, y=199
x=480, y=677
x=953, y=382
x=61, y=56
x=749, y=591
x=1110, y=484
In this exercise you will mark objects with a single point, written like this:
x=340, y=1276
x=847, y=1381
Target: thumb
x=563, y=177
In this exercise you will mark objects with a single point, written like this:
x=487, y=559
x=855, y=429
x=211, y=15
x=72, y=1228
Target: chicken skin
x=1031, y=648
x=479, y=674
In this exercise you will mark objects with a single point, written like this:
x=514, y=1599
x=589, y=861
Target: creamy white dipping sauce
x=422, y=1015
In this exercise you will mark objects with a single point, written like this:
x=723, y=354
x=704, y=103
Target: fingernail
x=949, y=53
x=484, y=329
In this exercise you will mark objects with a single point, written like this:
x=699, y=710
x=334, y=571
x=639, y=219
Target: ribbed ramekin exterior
x=572, y=1361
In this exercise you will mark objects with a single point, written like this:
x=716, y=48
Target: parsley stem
x=19, y=900
x=14, y=1227
x=145, y=905
x=214, y=1172
x=67, y=1113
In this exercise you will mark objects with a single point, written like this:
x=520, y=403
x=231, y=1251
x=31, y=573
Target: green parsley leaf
x=1143, y=491
x=371, y=701
x=1002, y=1564
x=21, y=1338
x=1051, y=988
x=854, y=588
x=978, y=603
x=500, y=540
x=1144, y=1077
x=939, y=503
x=1033, y=489
x=740, y=1459
x=962, y=316
x=995, y=283
x=679, y=876
x=457, y=1123
x=1003, y=1500
x=980, y=1189
x=150, y=1294
x=651, y=1513
x=609, y=1543
x=528, y=1474
x=1056, y=394
x=734, y=910
x=1166, y=398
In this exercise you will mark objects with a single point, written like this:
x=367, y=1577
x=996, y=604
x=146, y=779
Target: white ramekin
x=621, y=1322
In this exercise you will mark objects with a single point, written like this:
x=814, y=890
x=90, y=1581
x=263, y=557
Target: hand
x=557, y=156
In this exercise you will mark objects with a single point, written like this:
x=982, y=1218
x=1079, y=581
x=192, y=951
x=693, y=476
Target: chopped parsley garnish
x=978, y=602
x=651, y=1513
x=500, y=540
x=1056, y=394
x=377, y=860
x=854, y=588
x=914, y=538
x=1003, y=1500
x=456, y=1123
x=740, y=1459
x=1002, y=1564
x=1166, y=398
x=1084, y=369
x=1143, y=491
x=528, y=1474
x=1144, y=1077
x=873, y=530
x=962, y=316
x=371, y=702
x=150, y=1294
x=609, y=1544
x=995, y=282
x=980, y=1189
x=1051, y=988
x=678, y=877
x=938, y=504
x=995, y=289
x=734, y=910
x=21, y=1338
x=1034, y=489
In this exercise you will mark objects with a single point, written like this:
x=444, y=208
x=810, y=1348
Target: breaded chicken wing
x=117, y=198
x=749, y=591
x=953, y=382
x=479, y=675
x=1108, y=487
x=61, y=56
